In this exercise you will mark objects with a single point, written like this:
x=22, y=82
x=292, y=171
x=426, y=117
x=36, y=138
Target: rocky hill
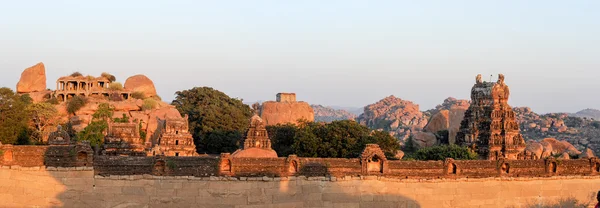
x=588, y=113
x=399, y=117
x=581, y=132
x=329, y=114
x=138, y=109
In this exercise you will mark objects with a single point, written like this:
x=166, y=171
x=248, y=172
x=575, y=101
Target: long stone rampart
x=80, y=187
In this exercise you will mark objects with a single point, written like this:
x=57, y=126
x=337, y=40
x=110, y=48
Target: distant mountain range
x=588, y=113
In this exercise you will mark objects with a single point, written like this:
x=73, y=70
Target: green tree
x=282, y=138
x=94, y=132
x=338, y=139
x=441, y=152
x=211, y=111
x=42, y=115
x=13, y=117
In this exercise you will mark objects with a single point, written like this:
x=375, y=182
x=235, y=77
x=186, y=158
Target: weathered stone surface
x=438, y=122
x=140, y=83
x=535, y=148
x=560, y=147
x=37, y=188
x=424, y=139
x=33, y=79
x=274, y=113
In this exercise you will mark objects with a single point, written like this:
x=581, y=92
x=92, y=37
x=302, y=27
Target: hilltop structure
x=489, y=126
x=71, y=86
x=257, y=142
x=286, y=110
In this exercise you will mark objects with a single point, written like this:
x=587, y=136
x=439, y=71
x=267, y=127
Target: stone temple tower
x=489, y=126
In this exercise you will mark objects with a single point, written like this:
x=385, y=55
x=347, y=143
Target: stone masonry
x=489, y=126
x=78, y=187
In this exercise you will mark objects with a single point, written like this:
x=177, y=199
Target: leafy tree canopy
x=13, y=117
x=441, y=152
x=338, y=139
x=213, y=112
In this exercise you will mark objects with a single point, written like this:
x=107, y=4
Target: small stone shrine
x=174, y=138
x=59, y=137
x=257, y=143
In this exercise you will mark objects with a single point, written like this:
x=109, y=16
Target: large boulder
x=141, y=83
x=535, y=148
x=456, y=115
x=274, y=113
x=438, y=122
x=424, y=139
x=448, y=120
x=33, y=79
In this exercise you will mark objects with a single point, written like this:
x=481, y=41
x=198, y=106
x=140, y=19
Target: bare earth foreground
x=78, y=187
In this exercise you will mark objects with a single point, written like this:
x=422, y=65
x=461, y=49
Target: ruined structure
x=124, y=139
x=284, y=97
x=489, y=126
x=59, y=137
x=257, y=142
x=71, y=86
x=173, y=139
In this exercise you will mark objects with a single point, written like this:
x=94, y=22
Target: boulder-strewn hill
x=329, y=114
x=399, y=117
x=581, y=132
x=588, y=113
x=403, y=118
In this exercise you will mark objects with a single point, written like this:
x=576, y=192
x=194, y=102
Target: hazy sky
x=342, y=53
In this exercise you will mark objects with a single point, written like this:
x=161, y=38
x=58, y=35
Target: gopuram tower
x=489, y=126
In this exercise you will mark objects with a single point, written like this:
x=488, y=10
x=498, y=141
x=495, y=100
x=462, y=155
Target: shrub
x=138, y=95
x=109, y=76
x=115, y=86
x=149, y=104
x=76, y=74
x=441, y=152
x=123, y=119
x=75, y=104
x=53, y=101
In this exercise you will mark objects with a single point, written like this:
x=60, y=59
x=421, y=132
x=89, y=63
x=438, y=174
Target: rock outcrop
x=33, y=79
x=392, y=114
x=328, y=114
x=551, y=147
x=141, y=83
x=273, y=112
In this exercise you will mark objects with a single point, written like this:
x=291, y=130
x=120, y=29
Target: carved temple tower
x=257, y=142
x=174, y=138
x=489, y=126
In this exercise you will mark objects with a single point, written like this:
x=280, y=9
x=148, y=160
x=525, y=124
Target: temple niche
x=59, y=137
x=489, y=126
x=257, y=143
x=124, y=139
x=173, y=139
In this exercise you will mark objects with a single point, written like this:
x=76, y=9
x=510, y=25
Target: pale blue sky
x=343, y=53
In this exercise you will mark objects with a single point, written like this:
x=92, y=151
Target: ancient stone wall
x=80, y=187
x=225, y=165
